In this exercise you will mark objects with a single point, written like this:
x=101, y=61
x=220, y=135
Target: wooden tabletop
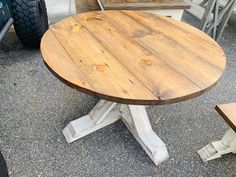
x=132, y=57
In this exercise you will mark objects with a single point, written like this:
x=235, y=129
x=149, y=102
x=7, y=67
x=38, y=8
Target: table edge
x=128, y=100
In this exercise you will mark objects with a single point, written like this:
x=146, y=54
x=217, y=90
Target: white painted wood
x=134, y=117
x=216, y=149
x=197, y=10
x=173, y=13
x=101, y=110
x=136, y=120
x=224, y=2
x=213, y=18
x=102, y=114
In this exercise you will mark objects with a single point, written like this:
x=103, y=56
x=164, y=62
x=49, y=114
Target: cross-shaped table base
x=134, y=117
x=218, y=148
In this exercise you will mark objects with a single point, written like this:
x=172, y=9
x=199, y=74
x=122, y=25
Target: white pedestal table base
x=134, y=117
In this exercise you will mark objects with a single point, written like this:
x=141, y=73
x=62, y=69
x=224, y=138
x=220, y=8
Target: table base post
x=134, y=117
x=102, y=114
x=136, y=120
x=216, y=149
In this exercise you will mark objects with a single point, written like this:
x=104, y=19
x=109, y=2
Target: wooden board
x=133, y=57
x=228, y=112
x=86, y=5
x=143, y=4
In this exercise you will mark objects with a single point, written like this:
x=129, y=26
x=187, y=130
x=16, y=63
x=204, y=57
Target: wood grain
x=144, y=4
x=133, y=57
x=228, y=112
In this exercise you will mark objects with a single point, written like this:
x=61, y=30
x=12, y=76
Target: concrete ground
x=35, y=107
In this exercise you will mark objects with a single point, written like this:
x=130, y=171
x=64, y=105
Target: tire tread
x=29, y=28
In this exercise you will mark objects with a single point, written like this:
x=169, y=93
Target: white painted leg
x=216, y=149
x=136, y=120
x=134, y=117
x=103, y=114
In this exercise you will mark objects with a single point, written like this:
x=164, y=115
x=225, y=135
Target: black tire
x=3, y=166
x=30, y=21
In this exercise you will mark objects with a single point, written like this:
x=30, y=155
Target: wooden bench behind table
x=171, y=8
x=228, y=143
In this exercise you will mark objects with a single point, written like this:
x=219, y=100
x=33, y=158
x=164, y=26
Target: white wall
x=59, y=7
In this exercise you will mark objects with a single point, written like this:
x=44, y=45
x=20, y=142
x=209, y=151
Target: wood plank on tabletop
x=61, y=62
x=137, y=59
x=102, y=71
x=192, y=39
x=186, y=62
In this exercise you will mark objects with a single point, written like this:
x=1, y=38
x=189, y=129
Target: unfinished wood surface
x=228, y=112
x=86, y=5
x=133, y=57
x=143, y=4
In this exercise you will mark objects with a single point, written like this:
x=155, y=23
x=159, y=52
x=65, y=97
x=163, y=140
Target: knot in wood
x=101, y=68
x=146, y=61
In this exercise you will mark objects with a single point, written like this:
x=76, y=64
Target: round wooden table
x=130, y=58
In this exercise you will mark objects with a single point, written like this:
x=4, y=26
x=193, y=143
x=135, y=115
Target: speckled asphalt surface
x=35, y=107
